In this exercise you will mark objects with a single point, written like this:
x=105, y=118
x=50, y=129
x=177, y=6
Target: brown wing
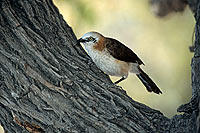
x=121, y=52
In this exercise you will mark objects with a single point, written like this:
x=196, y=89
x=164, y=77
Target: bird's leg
x=120, y=80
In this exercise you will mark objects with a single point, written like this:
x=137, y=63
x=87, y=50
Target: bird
x=115, y=59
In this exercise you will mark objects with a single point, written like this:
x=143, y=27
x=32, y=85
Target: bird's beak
x=81, y=40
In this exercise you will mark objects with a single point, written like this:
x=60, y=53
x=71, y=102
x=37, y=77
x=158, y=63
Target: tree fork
x=49, y=84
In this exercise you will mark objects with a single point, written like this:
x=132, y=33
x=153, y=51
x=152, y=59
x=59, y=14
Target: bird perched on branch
x=115, y=59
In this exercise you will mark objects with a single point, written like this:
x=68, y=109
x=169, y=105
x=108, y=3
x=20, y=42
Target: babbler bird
x=115, y=59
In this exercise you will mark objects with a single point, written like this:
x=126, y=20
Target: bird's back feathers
x=121, y=52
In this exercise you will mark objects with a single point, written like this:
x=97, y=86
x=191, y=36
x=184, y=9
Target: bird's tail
x=148, y=83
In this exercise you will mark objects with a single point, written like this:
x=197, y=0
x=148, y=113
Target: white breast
x=107, y=63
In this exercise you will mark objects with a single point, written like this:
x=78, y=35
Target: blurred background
x=161, y=43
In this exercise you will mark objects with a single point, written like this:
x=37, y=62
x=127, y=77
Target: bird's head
x=90, y=38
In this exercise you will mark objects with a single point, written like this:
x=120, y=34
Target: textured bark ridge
x=49, y=84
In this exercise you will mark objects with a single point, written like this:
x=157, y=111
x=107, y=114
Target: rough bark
x=49, y=84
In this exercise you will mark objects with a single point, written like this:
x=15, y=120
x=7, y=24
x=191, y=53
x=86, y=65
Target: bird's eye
x=90, y=38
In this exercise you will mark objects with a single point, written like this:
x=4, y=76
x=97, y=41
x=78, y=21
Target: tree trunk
x=49, y=84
